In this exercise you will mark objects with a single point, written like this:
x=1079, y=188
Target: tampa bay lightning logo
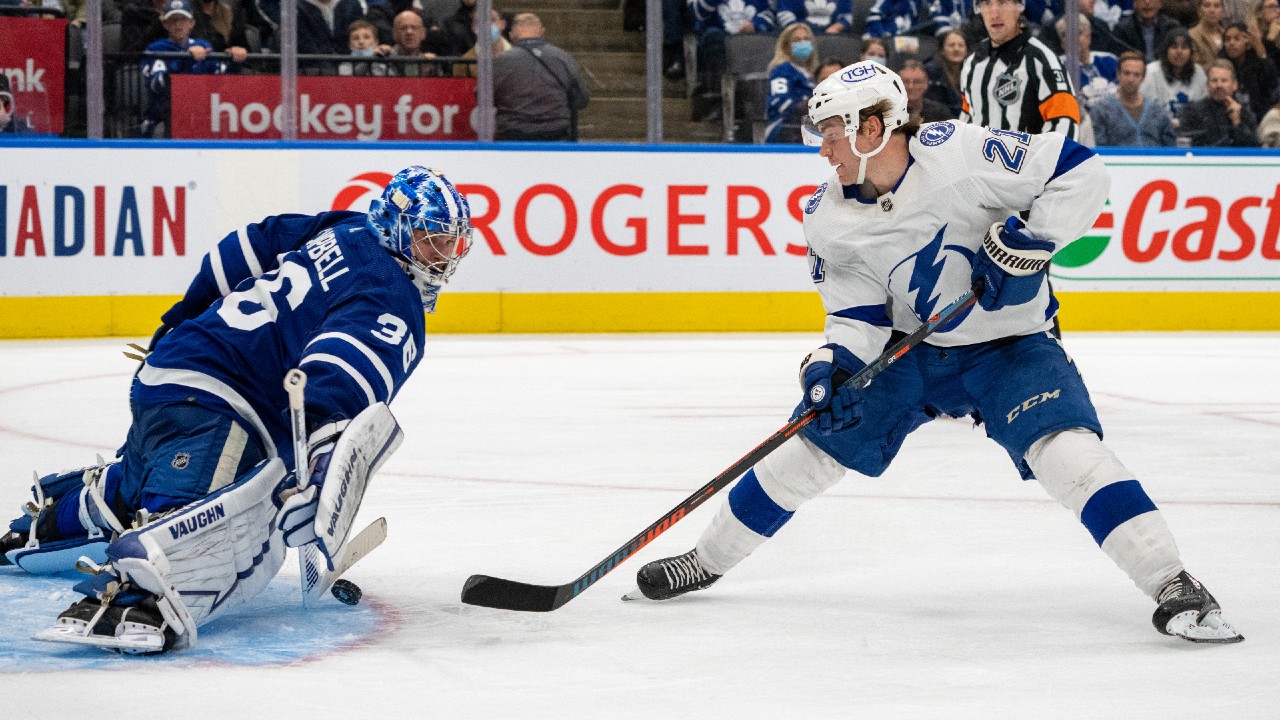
x=927, y=265
x=936, y=134
x=812, y=205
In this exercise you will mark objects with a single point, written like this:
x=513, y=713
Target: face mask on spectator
x=495, y=32
x=876, y=59
x=363, y=52
x=802, y=49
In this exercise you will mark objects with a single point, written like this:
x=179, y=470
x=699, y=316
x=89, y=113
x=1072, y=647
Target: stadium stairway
x=613, y=63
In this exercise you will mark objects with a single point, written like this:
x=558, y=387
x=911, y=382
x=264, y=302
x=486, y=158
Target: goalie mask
x=849, y=91
x=426, y=223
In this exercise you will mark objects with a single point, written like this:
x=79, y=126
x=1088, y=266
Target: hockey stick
x=309, y=569
x=503, y=594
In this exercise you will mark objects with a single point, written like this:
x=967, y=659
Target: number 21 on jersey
x=1007, y=147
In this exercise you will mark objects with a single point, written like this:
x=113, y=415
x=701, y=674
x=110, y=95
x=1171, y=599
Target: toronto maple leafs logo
x=736, y=13
x=819, y=12
x=1109, y=12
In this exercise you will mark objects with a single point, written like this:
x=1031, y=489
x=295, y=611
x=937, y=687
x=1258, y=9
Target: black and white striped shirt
x=1018, y=86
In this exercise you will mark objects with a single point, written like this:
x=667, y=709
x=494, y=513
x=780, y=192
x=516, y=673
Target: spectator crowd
x=1151, y=72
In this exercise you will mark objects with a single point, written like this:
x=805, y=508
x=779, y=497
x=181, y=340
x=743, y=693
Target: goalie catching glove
x=1012, y=265
x=822, y=375
x=341, y=463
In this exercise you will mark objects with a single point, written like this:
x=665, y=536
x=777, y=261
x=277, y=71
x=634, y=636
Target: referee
x=1012, y=81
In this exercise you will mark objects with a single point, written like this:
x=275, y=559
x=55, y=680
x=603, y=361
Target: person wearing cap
x=9, y=121
x=178, y=18
x=1012, y=81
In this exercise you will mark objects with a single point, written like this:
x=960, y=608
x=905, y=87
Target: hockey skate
x=1188, y=611
x=133, y=630
x=671, y=577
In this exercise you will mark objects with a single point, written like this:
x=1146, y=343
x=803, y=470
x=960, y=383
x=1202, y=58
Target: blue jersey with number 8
x=316, y=292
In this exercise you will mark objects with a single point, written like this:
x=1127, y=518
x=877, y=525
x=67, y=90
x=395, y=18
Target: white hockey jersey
x=893, y=261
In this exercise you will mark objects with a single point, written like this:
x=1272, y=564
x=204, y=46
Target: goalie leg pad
x=68, y=518
x=211, y=555
x=361, y=449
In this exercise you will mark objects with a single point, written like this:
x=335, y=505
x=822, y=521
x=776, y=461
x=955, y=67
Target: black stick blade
x=493, y=592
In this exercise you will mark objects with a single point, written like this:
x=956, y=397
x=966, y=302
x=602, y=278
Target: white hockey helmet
x=849, y=91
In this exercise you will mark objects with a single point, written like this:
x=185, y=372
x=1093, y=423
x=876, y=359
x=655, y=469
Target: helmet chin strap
x=862, y=158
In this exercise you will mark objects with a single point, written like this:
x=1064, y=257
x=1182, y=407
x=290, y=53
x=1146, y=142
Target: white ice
x=947, y=588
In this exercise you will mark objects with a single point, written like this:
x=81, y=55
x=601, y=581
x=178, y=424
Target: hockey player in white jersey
x=913, y=218
x=194, y=516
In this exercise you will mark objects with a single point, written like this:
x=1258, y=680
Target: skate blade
x=1210, y=629
x=636, y=595
x=133, y=643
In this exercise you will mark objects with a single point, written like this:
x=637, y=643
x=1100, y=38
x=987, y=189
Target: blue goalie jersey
x=315, y=292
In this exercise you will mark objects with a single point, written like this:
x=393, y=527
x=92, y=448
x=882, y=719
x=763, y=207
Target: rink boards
x=99, y=238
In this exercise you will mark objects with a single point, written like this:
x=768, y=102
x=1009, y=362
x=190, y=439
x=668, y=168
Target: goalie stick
x=488, y=591
x=309, y=566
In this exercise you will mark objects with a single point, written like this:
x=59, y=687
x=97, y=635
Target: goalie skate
x=1187, y=610
x=137, y=630
x=671, y=577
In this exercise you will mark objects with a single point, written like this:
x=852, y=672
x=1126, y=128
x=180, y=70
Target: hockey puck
x=347, y=592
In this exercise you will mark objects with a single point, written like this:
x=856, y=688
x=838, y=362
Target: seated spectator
x=228, y=25
x=455, y=34
x=1219, y=120
x=944, y=71
x=791, y=73
x=140, y=25
x=362, y=40
x=1146, y=29
x=497, y=26
x=383, y=18
x=322, y=25
x=1173, y=80
x=1206, y=35
x=410, y=33
x=962, y=16
x=1101, y=31
x=714, y=20
x=1264, y=25
x=1097, y=69
x=1127, y=118
x=827, y=67
x=1184, y=12
x=876, y=50
x=916, y=82
x=537, y=87
x=1042, y=14
x=888, y=18
x=1269, y=128
x=179, y=20
x=10, y=123
x=1258, y=75
x=830, y=18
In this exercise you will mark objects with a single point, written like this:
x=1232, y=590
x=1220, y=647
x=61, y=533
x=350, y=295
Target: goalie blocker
x=324, y=512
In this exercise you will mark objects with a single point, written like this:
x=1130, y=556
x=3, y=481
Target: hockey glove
x=298, y=513
x=822, y=375
x=1012, y=265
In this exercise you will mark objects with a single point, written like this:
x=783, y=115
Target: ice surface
x=947, y=588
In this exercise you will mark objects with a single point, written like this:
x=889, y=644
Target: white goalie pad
x=361, y=449
x=211, y=555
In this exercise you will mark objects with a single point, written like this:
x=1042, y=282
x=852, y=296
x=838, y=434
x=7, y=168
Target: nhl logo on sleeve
x=812, y=205
x=936, y=134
